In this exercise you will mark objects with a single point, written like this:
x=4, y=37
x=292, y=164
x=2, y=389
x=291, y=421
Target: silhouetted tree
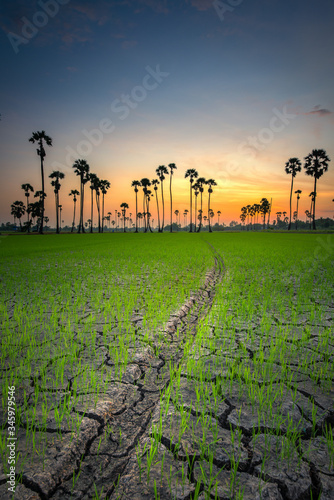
x=172, y=167
x=210, y=183
x=161, y=171
x=27, y=188
x=200, y=183
x=316, y=164
x=293, y=166
x=264, y=209
x=145, y=183
x=192, y=174
x=56, y=176
x=74, y=193
x=105, y=185
x=298, y=193
x=81, y=168
x=196, y=193
x=155, y=184
x=17, y=210
x=136, y=184
x=41, y=138
x=124, y=206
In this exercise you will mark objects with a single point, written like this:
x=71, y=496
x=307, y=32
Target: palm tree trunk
x=171, y=202
x=201, y=215
x=144, y=214
x=136, y=212
x=102, y=210
x=191, y=209
x=73, y=223
x=156, y=197
x=163, y=207
x=195, y=213
x=315, y=196
x=210, y=230
x=57, y=213
x=290, y=203
x=42, y=174
x=297, y=213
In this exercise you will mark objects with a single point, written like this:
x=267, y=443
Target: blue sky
x=225, y=79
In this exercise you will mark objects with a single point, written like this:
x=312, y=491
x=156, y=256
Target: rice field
x=181, y=366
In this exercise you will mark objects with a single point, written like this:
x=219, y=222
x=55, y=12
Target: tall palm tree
x=298, y=193
x=176, y=213
x=148, y=194
x=145, y=183
x=124, y=206
x=155, y=184
x=105, y=185
x=293, y=166
x=316, y=164
x=41, y=138
x=26, y=188
x=81, y=168
x=201, y=182
x=172, y=167
x=17, y=210
x=109, y=219
x=161, y=171
x=264, y=209
x=196, y=193
x=313, y=194
x=210, y=183
x=56, y=176
x=74, y=193
x=192, y=174
x=60, y=210
x=97, y=188
x=219, y=214
x=92, y=178
x=136, y=184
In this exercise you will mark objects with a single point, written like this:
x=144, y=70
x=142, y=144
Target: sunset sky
x=233, y=89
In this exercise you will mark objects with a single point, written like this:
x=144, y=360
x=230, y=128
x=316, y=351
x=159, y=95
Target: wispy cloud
x=318, y=110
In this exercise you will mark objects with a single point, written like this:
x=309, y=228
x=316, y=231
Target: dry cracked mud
x=129, y=447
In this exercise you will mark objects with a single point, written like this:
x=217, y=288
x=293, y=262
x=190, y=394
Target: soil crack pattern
x=92, y=462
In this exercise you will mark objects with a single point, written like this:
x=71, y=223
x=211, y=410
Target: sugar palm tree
x=148, y=194
x=176, y=213
x=219, y=214
x=41, y=138
x=196, y=193
x=74, y=193
x=17, y=210
x=27, y=188
x=298, y=193
x=316, y=164
x=161, y=171
x=105, y=185
x=56, y=176
x=136, y=184
x=172, y=167
x=92, y=178
x=210, y=183
x=155, y=184
x=97, y=189
x=312, y=195
x=192, y=174
x=81, y=168
x=293, y=166
x=264, y=209
x=145, y=183
x=124, y=206
x=201, y=183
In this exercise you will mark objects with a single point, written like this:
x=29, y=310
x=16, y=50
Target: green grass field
x=168, y=365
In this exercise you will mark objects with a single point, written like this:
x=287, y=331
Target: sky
x=231, y=88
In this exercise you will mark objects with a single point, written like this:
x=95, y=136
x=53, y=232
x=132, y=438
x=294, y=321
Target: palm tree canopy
x=74, y=192
x=160, y=171
x=316, y=163
x=293, y=166
x=105, y=185
x=27, y=187
x=40, y=136
x=81, y=168
x=172, y=167
x=192, y=173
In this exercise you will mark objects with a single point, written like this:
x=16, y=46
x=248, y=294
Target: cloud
x=317, y=110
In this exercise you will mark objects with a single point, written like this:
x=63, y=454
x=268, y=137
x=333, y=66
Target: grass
x=76, y=310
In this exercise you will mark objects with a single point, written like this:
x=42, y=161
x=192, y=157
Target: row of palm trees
x=316, y=164
x=252, y=212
